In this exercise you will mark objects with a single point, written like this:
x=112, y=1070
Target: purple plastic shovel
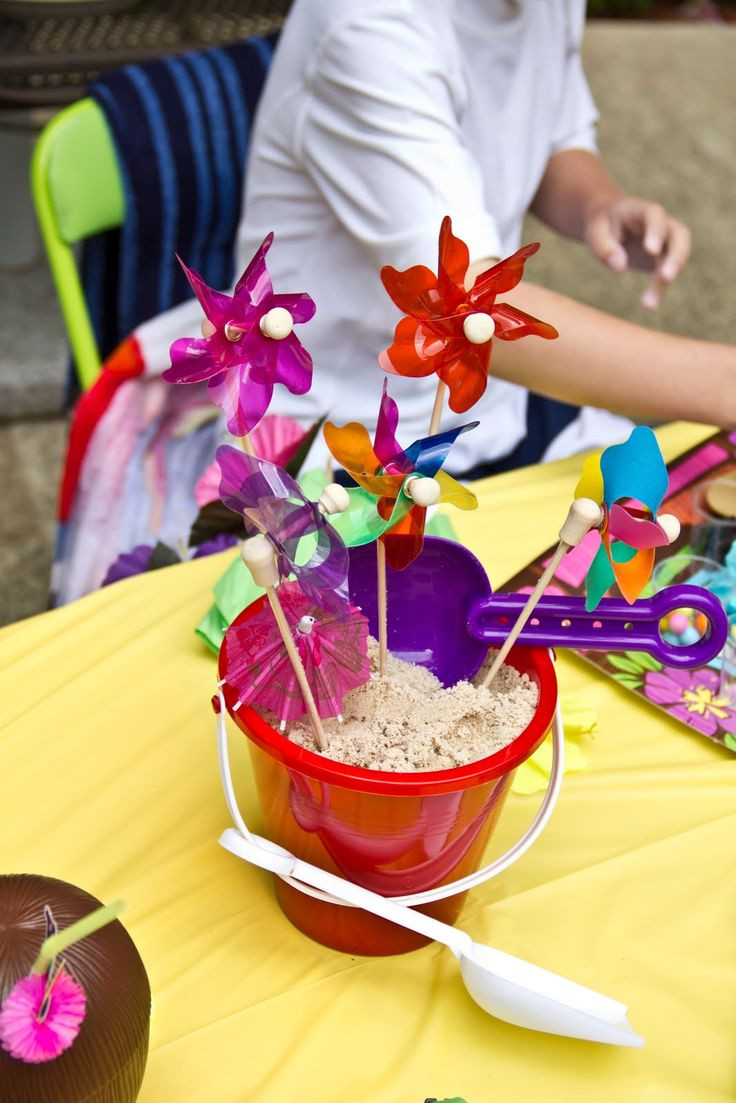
x=442, y=614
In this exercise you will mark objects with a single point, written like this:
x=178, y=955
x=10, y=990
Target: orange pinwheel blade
x=633, y=575
x=351, y=446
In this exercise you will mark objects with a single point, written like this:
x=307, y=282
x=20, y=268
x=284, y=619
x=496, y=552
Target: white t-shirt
x=378, y=118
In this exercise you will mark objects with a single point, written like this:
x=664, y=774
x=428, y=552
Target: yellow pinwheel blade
x=454, y=494
x=590, y=484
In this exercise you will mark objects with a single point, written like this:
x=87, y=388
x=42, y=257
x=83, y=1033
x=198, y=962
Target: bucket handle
x=472, y=880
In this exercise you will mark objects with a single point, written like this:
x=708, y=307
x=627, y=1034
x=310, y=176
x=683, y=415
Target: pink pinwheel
x=332, y=647
x=276, y=439
x=248, y=345
x=447, y=329
x=41, y=1015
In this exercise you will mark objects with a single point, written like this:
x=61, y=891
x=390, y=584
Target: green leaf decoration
x=296, y=462
x=729, y=742
x=645, y=661
x=623, y=662
x=629, y=681
x=162, y=556
x=212, y=628
x=212, y=520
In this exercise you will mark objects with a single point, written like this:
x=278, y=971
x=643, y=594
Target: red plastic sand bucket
x=395, y=833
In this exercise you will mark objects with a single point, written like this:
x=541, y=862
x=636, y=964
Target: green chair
x=77, y=192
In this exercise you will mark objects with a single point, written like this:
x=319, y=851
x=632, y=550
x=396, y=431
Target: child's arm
x=578, y=198
x=601, y=360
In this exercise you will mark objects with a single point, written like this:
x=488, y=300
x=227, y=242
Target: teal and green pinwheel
x=623, y=479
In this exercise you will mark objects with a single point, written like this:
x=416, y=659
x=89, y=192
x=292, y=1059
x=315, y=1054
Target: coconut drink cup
x=105, y=1060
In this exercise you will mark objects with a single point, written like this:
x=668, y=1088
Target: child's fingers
x=604, y=242
x=669, y=265
x=656, y=228
x=676, y=252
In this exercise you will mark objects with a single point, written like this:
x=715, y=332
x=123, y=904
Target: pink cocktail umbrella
x=332, y=646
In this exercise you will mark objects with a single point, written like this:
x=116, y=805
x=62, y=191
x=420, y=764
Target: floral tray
x=691, y=696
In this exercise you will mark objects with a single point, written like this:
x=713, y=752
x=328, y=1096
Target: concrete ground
x=667, y=97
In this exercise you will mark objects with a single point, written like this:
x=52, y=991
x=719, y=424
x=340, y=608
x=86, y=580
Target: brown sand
x=408, y=721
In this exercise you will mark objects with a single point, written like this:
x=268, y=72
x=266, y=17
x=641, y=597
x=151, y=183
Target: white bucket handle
x=464, y=883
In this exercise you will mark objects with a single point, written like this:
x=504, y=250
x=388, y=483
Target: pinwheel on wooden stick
x=395, y=488
x=271, y=502
x=247, y=345
x=294, y=538
x=629, y=482
x=449, y=330
x=612, y=481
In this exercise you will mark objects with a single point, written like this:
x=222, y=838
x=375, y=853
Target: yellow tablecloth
x=109, y=780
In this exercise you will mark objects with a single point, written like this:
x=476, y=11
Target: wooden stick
x=584, y=514
x=296, y=662
x=258, y=556
x=439, y=399
x=525, y=613
x=382, y=614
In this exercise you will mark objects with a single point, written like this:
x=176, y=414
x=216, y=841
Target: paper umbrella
x=386, y=504
x=447, y=329
x=624, y=473
x=248, y=344
x=332, y=646
x=272, y=503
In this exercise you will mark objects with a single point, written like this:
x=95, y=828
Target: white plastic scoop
x=503, y=985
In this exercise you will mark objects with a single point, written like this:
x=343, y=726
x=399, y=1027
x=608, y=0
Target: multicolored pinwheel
x=447, y=329
x=386, y=505
x=624, y=473
x=247, y=345
x=271, y=503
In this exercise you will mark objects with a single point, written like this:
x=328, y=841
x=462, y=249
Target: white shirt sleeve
x=380, y=137
x=576, y=125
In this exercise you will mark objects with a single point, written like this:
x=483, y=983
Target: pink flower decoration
x=241, y=363
x=692, y=696
x=31, y=1035
x=275, y=438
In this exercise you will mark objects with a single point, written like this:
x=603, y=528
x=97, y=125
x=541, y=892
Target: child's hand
x=636, y=233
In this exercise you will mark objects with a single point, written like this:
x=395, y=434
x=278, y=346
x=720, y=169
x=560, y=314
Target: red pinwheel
x=247, y=345
x=447, y=329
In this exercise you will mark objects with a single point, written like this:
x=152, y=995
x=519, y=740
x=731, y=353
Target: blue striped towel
x=181, y=127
